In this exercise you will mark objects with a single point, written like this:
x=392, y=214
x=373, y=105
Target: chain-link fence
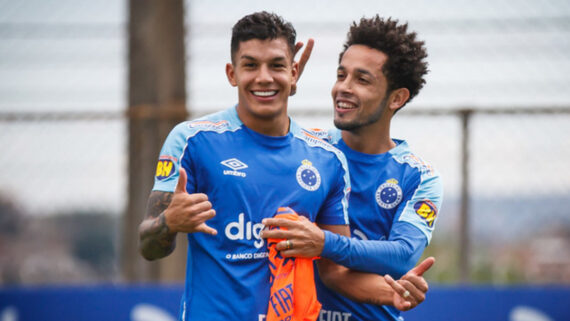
x=518, y=182
x=63, y=129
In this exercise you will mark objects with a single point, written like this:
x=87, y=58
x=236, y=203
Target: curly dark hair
x=406, y=65
x=262, y=25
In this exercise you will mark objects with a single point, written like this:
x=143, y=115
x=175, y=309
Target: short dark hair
x=406, y=65
x=262, y=25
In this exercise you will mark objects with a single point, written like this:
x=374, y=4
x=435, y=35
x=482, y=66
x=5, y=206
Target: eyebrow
x=359, y=70
x=279, y=58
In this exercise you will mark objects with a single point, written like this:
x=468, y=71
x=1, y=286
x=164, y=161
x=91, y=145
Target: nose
x=264, y=74
x=344, y=85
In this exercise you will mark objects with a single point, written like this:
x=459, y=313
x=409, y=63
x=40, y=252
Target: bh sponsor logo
x=165, y=167
x=427, y=211
x=241, y=230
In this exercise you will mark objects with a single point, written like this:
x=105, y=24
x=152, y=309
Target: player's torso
x=379, y=187
x=247, y=176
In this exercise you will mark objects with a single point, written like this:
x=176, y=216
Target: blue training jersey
x=394, y=201
x=247, y=177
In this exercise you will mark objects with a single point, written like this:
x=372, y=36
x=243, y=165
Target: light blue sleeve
x=409, y=235
x=168, y=166
x=422, y=209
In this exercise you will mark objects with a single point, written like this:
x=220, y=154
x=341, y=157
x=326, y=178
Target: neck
x=277, y=125
x=274, y=128
x=373, y=139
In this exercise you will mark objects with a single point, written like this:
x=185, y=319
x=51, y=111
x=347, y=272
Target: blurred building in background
x=496, y=106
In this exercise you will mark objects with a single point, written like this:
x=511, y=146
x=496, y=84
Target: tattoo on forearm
x=156, y=239
x=157, y=203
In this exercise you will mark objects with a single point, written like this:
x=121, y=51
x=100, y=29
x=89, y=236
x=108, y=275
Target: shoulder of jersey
x=218, y=122
x=315, y=141
x=315, y=137
x=319, y=133
x=414, y=161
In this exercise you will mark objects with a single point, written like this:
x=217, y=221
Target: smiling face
x=263, y=71
x=360, y=93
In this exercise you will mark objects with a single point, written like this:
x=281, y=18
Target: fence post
x=157, y=102
x=464, y=235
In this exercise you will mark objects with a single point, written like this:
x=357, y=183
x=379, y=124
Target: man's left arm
x=358, y=286
x=394, y=256
x=373, y=288
x=409, y=235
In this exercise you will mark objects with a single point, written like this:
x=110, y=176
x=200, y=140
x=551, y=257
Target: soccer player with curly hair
x=395, y=195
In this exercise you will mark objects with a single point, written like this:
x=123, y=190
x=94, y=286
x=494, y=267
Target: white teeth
x=345, y=105
x=265, y=93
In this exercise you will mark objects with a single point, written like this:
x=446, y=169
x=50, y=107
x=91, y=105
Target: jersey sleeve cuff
x=330, y=247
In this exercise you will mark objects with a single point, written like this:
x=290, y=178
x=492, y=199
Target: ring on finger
x=289, y=245
x=406, y=294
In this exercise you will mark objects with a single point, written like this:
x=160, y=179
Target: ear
x=295, y=76
x=398, y=98
x=295, y=72
x=230, y=73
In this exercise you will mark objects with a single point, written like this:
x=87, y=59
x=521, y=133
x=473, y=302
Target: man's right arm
x=156, y=238
x=170, y=213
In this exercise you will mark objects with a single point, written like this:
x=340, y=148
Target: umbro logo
x=235, y=165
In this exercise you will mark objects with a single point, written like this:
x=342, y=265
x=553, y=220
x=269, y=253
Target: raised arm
x=170, y=213
x=303, y=60
x=305, y=55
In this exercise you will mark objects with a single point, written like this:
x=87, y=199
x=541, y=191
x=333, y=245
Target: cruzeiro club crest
x=389, y=194
x=308, y=176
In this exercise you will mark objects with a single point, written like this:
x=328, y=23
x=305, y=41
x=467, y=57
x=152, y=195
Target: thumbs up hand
x=188, y=213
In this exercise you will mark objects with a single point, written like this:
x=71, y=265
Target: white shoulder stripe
x=219, y=122
x=407, y=157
